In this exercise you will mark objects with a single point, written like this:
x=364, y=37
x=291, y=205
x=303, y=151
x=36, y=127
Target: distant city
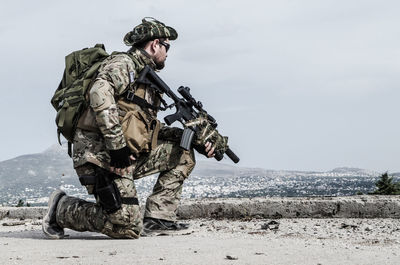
x=31, y=178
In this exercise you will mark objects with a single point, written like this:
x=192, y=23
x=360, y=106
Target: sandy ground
x=289, y=241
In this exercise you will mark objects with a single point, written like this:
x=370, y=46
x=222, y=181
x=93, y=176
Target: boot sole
x=54, y=197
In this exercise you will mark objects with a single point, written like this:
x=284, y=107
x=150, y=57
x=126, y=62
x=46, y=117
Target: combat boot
x=49, y=224
x=154, y=224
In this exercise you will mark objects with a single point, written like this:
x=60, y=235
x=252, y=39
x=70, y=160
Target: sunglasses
x=166, y=45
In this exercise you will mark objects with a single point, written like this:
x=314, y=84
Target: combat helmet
x=149, y=29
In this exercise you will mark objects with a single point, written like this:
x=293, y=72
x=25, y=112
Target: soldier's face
x=161, y=54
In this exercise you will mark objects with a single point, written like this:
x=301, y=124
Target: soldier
x=119, y=139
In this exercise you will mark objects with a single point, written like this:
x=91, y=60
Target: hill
x=33, y=177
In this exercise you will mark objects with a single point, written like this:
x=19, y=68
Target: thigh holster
x=106, y=190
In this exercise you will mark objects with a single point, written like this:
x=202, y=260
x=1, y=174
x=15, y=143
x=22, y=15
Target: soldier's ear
x=155, y=45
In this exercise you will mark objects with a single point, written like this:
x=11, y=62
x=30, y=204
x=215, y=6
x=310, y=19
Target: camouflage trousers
x=174, y=165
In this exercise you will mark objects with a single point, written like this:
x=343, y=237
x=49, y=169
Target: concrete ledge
x=22, y=212
x=295, y=207
x=304, y=207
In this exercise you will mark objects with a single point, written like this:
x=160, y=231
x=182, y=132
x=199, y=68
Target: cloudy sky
x=308, y=85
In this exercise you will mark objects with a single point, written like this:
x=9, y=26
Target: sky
x=295, y=85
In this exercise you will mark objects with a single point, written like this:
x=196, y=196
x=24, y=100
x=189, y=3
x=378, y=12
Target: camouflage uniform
x=92, y=143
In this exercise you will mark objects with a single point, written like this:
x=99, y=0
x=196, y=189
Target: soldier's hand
x=121, y=161
x=123, y=171
x=209, y=149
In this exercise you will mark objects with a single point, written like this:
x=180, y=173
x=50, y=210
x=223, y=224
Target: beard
x=160, y=65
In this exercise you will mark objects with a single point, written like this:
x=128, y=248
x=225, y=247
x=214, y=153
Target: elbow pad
x=101, y=95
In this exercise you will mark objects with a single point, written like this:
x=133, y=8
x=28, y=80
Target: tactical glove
x=120, y=158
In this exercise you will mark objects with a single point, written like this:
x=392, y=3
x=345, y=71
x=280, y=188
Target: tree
x=385, y=186
x=20, y=203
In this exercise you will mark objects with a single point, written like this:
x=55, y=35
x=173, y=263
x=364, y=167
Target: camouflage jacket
x=99, y=129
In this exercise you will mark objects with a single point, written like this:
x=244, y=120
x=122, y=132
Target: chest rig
x=138, y=107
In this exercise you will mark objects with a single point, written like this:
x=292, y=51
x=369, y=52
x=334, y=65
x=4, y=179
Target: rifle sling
x=139, y=101
x=129, y=96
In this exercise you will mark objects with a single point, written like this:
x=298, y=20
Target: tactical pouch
x=139, y=128
x=67, y=118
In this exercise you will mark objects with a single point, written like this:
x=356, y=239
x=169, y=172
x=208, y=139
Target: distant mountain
x=33, y=177
x=395, y=174
x=37, y=169
x=54, y=164
x=352, y=170
x=213, y=168
x=36, y=175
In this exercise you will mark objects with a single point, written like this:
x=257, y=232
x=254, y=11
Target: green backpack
x=70, y=99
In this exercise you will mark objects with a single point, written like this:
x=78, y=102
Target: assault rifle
x=185, y=109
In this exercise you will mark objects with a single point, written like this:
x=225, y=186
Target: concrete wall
x=307, y=207
x=21, y=213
